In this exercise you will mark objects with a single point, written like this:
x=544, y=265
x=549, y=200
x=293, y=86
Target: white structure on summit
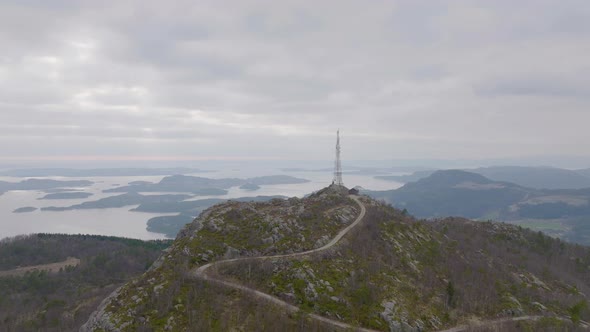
x=338, y=166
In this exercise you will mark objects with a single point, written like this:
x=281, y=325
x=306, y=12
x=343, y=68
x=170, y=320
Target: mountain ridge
x=531, y=177
x=445, y=193
x=370, y=279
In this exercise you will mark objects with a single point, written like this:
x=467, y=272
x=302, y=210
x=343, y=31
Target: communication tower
x=338, y=165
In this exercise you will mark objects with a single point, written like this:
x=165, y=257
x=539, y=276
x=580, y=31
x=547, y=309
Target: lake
x=125, y=223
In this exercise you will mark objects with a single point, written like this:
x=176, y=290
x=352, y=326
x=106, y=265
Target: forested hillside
x=61, y=301
x=563, y=213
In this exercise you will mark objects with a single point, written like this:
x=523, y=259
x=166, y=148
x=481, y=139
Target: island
x=275, y=179
x=42, y=184
x=203, y=186
x=59, y=190
x=67, y=195
x=25, y=209
x=165, y=203
x=140, y=183
x=182, y=183
x=120, y=201
x=250, y=187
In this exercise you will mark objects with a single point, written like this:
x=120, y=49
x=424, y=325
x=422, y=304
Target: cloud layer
x=275, y=79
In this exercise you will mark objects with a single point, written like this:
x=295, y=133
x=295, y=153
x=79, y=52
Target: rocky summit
x=332, y=261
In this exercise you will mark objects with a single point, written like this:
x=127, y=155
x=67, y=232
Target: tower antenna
x=338, y=165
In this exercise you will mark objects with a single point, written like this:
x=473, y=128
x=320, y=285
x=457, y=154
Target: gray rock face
x=100, y=319
x=390, y=315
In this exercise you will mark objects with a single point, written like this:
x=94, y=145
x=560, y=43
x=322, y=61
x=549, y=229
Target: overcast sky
x=276, y=79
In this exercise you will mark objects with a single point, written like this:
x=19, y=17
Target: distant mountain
x=564, y=212
x=531, y=177
x=585, y=172
x=454, y=193
x=406, y=178
x=536, y=177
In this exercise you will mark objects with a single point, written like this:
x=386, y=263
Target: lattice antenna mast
x=338, y=166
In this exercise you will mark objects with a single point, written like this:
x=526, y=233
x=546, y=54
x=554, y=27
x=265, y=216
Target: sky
x=274, y=80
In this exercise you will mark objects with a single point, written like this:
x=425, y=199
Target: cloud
x=403, y=79
x=534, y=84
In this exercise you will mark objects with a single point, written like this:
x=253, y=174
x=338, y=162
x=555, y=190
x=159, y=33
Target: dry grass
x=51, y=267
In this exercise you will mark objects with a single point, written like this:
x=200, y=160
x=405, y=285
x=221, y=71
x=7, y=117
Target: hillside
x=52, y=282
x=536, y=177
x=455, y=193
x=384, y=271
x=406, y=178
x=531, y=177
x=562, y=213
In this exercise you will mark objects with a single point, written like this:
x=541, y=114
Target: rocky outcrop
x=101, y=319
x=229, y=230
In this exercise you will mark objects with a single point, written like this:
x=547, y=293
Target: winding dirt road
x=201, y=273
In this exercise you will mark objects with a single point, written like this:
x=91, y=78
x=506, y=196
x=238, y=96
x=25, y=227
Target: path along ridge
x=201, y=273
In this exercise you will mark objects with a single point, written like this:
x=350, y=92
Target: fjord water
x=126, y=223
x=116, y=221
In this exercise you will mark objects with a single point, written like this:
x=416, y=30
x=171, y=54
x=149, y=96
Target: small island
x=42, y=184
x=121, y=201
x=25, y=209
x=169, y=225
x=140, y=183
x=202, y=186
x=67, y=195
x=250, y=187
